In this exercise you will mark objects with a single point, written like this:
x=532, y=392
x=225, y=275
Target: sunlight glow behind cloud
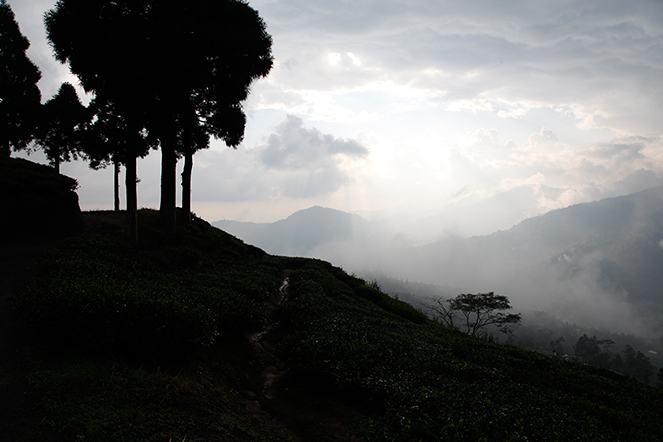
x=450, y=102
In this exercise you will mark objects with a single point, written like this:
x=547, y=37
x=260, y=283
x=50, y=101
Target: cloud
x=556, y=174
x=561, y=99
x=295, y=163
x=293, y=147
x=600, y=60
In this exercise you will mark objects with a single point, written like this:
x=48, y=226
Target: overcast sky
x=421, y=104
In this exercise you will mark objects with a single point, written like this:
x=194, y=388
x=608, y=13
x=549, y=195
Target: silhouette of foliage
x=637, y=365
x=35, y=201
x=594, y=351
x=20, y=98
x=474, y=312
x=62, y=122
x=110, y=139
x=178, y=69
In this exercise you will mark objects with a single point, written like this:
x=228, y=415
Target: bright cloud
x=550, y=102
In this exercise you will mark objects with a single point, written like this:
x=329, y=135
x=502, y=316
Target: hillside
x=608, y=252
x=216, y=340
x=35, y=200
x=596, y=264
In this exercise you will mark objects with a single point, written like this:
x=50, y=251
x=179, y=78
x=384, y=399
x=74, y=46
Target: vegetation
x=60, y=132
x=475, y=312
x=20, y=98
x=151, y=341
x=598, y=352
x=30, y=195
x=176, y=70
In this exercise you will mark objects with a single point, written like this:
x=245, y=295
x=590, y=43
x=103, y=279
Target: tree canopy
x=594, y=351
x=20, y=98
x=61, y=126
x=178, y=69
x=474, y=312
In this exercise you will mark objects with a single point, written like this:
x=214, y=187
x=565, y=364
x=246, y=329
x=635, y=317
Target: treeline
x=541, y=331
x=164, y=75
x=625, y=354
x=599, y=353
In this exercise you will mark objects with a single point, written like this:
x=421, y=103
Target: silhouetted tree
x=557, y=346
x=61, y=124
x=659, y=378
x=440, y=308
x=475, y=312
x=111, y=139
x=618, y=364
x=20, y=98
x=637, y=365
x=594, y=351
x=180, y=68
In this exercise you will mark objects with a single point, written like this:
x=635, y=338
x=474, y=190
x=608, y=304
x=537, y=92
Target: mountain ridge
x=301, y=232
x=608, y=250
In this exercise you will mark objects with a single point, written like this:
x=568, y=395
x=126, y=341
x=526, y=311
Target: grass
x=150, y=342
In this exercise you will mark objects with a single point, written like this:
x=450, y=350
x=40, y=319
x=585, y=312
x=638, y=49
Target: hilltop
x=211, y=339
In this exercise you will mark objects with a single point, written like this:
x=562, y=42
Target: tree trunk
x=186, y=186
x=131, y=181
x=116, y=185
x=168, y=185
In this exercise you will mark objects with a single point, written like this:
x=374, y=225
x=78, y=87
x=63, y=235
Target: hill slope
x=36, y=201
x=596, y=264
x=215, y=340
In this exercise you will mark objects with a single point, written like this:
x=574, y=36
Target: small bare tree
x=474, y=312
x=440, y=308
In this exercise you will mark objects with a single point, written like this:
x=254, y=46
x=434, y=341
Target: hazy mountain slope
x=596, y=263
x=301, y=232
x=598, y=260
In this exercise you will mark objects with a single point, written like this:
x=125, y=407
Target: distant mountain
x=603, y=258
x=622, y=236
x=301, y=232
x=598, y=263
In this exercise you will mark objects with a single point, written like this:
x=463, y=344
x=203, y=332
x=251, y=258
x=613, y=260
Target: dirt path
x=265, y=401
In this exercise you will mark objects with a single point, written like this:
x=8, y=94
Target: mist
x=594, y=265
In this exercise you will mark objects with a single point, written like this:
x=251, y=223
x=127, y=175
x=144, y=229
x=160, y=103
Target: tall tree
x=111, y=139
x=594, y=351
x=182, y=68
x=20, y=98
x=61, y=124
x=98, y=39
x=637, y=365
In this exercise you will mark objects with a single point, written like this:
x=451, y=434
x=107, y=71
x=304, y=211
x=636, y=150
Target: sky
x=511, y=107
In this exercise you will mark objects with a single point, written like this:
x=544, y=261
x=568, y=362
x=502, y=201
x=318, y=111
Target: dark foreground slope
x=215, y=340
x=36, y=201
